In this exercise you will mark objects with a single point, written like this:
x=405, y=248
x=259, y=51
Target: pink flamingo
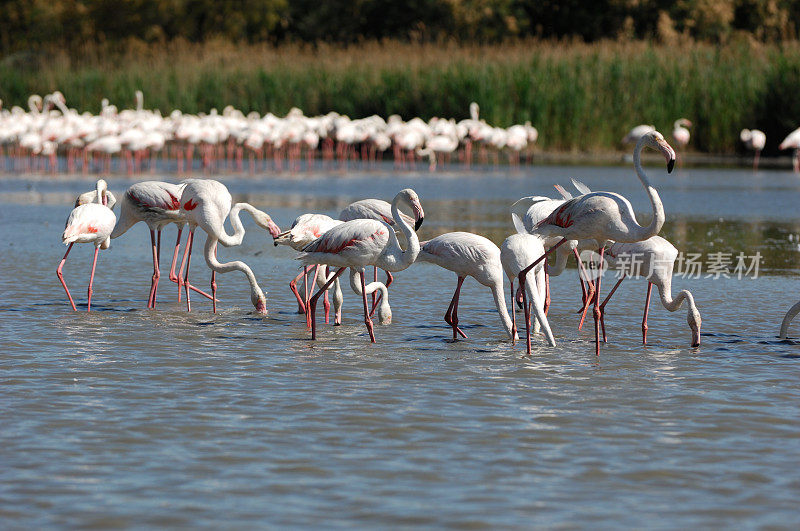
x=468, y=255
x=755, y=140
x=792, y=141
x=787, y=319
x=207, y=203
x=656, y=256
x=305, y=229
x=157, y=204
x=604, y=216
x=516, y=252
x=364, y=242
x=88, y=223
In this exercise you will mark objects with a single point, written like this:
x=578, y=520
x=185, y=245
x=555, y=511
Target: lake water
x=126, y=417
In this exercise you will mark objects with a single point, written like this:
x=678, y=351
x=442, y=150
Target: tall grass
x=581, y=97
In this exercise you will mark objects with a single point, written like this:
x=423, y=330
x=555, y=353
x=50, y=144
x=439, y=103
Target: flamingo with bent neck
x=206, y=203
x=305, y=229
x=468, y=255
x=365, y=242
x=656, y=256
x=88, y=223
x=604, y=216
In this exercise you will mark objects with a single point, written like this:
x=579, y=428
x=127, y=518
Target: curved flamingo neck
x=643, y=233
x=256, y=294
x=238, y=229
x=500, y=303
x=397, y=259
x=793, y=311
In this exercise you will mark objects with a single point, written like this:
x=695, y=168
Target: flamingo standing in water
x=305, y=229
x=469, y=255
x=754, y=140
x=604, y=216
x=656, y=256
x=157, y=204
x=206, y=203
x=364, y=242
x=681, y=134
x=516, y=252
x=88, y=223
x=792, y=141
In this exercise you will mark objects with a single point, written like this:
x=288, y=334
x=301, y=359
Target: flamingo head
x=656, y=140
x=265, y=222
x=684, y=122
x=259, y=301
x=412, y=199
x=694, y=321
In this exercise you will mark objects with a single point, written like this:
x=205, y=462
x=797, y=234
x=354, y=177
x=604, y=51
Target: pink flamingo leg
x=367, y=320
x=61, y=276
x=172, y=276
x=451, y=316
x=156, y=273
x=301, y=305
x=308, y=296
x=183, y=263
x=91, y=279
x=603, y=306
x=546, y=288
x=313, y=302
x=590, y=288
x=597, y=312
x=646, y=310
x=188, y=254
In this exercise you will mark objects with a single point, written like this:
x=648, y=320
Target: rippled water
x=129, y=417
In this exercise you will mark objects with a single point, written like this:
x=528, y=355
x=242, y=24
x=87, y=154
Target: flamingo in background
x=516, y=252
x=305, y=229
x=469, y=255
x=787, y=319
x=364, y=242
x=656, y=256
x=604, y=216
x=792, y=141
x=206, y=203
x=755, y=140
x=88, y=223
x=681, y=134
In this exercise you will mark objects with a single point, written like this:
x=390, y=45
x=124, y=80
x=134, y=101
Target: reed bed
x=582, y=97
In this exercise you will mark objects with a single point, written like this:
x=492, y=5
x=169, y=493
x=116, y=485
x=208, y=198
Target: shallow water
x=129, y=417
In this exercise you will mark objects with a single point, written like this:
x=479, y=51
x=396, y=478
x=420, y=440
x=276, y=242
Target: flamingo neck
x=397, y=259
x=384, y=310
x=794, y=310
x=238, y=229
x=500, y=303
x=256, y=294
x=642, y=233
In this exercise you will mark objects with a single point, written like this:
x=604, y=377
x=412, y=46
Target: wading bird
x=754, y=140
x=468, y=255
x=365, y=242
x=792, y=141
x=604, y=216
x=206, y=203
x=88, y=223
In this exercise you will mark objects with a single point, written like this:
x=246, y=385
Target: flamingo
x=206, y=203
x=157, y=204
x=305, y=229
x=792, y=140
x=516, y=252
x=657, y=257
x=755, y=140
x=637, y=132
x=468, y=255
x=364, y=242
x=680, y=132
x=787, y=319
x=604, y=216
x=88, y=223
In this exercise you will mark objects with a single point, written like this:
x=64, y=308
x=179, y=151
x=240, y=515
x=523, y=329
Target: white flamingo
x=88, y=223
x=364, y=242
x=755, y=140
x=468, y=255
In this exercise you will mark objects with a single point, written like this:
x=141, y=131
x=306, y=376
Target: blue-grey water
x=126, y=417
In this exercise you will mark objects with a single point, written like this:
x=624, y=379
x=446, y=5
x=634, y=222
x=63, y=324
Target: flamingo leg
x=188, y=256
x=61, y=276
x=91, y=279
x=213, y=284
x=597, y=312
x=180, y=274
x=154, y=279
x=526, y=312
x=513, y=313
x=313, y=302
x=374, y=279
x=546, y=287
x=325, y=302
x=590, y=288
x=451, y=316
x=367, y=320
x=521, y=275
x=646, y=311
x=301, y=305
x=172, y=276
x=375, y=303
x=603, y=306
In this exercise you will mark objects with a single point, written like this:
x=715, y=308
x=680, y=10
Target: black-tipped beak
x=670, y=165
x=418, y=224
x=274, y=242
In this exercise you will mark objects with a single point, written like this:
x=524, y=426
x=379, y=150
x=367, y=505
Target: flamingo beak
x=668, y=153
x=419, y=215
x=418, y=223
x=670, y=165
x=279, y=238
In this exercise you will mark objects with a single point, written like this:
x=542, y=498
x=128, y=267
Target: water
x=126, y=417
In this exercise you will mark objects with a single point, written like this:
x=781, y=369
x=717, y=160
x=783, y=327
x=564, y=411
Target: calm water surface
x=128, y=418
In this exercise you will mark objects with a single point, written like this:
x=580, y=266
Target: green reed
x=581, y=97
